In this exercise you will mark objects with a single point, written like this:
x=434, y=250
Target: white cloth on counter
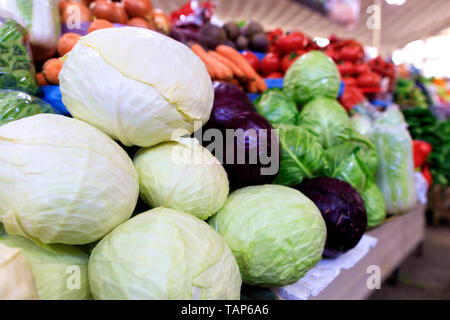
x=319, y=277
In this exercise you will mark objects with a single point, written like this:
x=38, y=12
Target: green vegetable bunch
x=423, y=125
x=319, y=141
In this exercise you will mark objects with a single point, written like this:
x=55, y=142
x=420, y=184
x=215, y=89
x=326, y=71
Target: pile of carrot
x=228, y=65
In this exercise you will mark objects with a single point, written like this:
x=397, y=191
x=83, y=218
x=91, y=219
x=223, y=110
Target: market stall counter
x=385, y=248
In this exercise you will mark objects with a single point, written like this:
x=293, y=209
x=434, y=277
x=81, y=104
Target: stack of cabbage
x=318, y=140
x=65, y=181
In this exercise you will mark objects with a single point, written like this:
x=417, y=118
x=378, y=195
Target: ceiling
x=414, y=20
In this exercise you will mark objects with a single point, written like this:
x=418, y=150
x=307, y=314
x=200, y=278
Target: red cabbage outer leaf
x=229, y=101
x=343, y=210
x=233, y=109
x=248, y=174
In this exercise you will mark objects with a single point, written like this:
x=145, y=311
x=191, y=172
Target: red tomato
x=349, y=81
x=289, y=43
x=351, y=53
x=361, y=68
x=275, y=75
x=369, y=80
x=333, y=54
x=347, y=68
x=252, y=59
x=289, y=59
x=270, y=63
x=274, y=35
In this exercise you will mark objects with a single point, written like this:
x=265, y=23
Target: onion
x=140, y=22
x=139, y=8
x=161, y=21
x=66, y=9
x=111, y=11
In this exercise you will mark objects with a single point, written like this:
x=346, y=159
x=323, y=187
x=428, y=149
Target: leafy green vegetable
x=327, y=120
x=375, y=204
x=312, y=75
x=367, y=152
x=276, y=107
x=423, y=125
x=361, y=124
x=395, y=172
x=345, y=164
x=302, y=156
x=15, y=105
x=16, y=68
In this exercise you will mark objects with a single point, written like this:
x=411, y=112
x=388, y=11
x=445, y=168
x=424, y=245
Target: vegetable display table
x=397, y=238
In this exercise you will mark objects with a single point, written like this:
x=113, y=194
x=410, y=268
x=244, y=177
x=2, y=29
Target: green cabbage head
x=60, y=271
x=136, y=85
x=375, y=205
x=276, y=107
x=164, y=254
x=182, y=175
x=275, y=232
x=302, y=156
x=313, y=75
x=63, y=181
x=327, y=120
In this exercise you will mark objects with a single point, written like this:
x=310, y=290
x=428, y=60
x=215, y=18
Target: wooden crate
x=439, y=203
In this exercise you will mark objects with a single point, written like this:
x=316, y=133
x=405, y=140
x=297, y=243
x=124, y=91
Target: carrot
x=235, y=82
x=234, y=68
x=52, y=70
x=41, y=79
x=252, y=87
x=67, y=42
x=100, y=24
x=215, y=70
x=239, y=60
x=225, y=68
x=261, y=84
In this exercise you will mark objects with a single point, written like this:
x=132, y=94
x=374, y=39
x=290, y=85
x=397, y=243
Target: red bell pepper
x=421, y=151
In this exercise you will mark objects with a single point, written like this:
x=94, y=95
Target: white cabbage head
x=59, y=271
x=16, y=279
x=63, y=181
x=182, y=175
x=136, y=85
x=163, y=254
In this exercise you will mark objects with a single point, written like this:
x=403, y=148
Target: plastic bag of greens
x=16, y=68
x=395, y=172
x=15, y=105
x=41, y=18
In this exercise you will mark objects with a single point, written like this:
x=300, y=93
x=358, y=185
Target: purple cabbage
x=342, y=209
x=233, y=109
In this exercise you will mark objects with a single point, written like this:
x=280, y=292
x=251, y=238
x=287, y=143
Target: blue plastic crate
x=52, y=95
